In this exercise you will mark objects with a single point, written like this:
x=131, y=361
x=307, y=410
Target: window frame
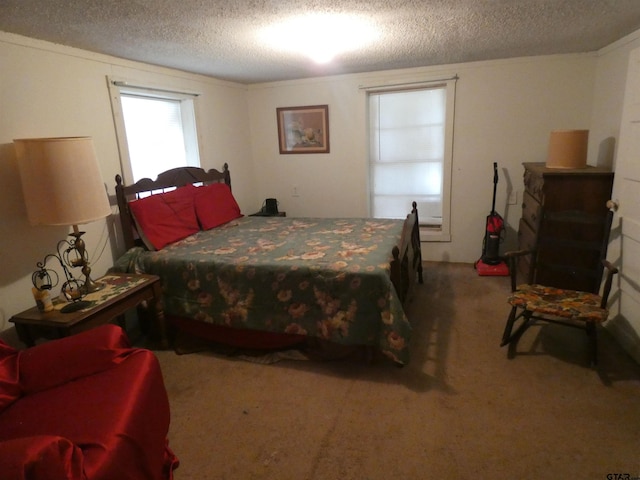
x=440, y=233
x=188, y=110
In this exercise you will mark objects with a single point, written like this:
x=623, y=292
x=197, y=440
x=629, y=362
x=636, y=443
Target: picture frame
x=303, y=129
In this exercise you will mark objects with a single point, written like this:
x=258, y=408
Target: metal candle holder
x=69, y=254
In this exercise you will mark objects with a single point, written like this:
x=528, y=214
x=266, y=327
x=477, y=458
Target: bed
x=269, y=281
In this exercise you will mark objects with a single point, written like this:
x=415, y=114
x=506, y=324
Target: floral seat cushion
x=559, y=302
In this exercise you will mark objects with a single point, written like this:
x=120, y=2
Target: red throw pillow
x=10, y=389
x=215, y=205
x=166, y=218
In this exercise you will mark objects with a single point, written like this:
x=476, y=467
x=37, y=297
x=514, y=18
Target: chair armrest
x=41, y=457
x=512, y=262
x=518, y=253
x=60, y=361
x=611, y=271
x=610, y=267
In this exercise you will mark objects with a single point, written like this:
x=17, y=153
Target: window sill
x=434, y=235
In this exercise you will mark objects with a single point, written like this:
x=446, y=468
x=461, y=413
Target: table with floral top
x=121, y=292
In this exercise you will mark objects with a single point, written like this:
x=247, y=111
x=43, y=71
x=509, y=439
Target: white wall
x=50, y=90
x=504, y=113
x=611, y=76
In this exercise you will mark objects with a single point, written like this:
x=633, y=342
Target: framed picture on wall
x=303, y=129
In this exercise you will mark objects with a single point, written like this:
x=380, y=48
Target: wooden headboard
x=177, y=177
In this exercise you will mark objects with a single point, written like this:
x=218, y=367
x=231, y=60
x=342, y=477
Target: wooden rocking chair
x=532, y=302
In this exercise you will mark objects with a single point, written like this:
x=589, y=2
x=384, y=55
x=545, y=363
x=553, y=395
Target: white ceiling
x=218, y=37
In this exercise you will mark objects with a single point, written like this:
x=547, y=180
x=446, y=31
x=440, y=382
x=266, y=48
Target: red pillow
x=10, y=389
x=215, y=205
x=166, y=218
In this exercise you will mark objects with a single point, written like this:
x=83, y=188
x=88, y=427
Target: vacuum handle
x=495, y=185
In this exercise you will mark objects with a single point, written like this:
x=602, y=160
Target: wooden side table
x=121, y=293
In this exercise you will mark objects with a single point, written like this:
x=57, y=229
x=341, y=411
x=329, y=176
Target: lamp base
x=90, y=286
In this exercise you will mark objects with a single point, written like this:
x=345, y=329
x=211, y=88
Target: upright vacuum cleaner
x=490, y=263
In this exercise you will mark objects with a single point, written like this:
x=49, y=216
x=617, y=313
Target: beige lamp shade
x=568, y=149
x=61, y=180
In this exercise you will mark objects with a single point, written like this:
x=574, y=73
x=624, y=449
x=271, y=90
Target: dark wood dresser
x=563, y=218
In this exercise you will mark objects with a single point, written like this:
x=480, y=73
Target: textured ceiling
x=218, y=37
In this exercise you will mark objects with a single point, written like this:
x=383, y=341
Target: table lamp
x=62, y=185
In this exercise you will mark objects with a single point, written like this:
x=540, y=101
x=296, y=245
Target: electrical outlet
x=294, y=191
x=513, y=197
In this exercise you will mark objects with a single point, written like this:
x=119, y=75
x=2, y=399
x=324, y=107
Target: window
x=156, y=130
x=410, y=145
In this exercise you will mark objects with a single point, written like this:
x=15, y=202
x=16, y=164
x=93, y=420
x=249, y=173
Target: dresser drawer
x=527, y=237
x=534, y=185
x=531, y=211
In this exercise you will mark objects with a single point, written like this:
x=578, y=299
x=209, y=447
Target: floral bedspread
x=326, y=278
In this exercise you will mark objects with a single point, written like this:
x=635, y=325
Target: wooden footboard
x=406, y=265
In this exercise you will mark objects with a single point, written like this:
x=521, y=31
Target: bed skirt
x=234, y=337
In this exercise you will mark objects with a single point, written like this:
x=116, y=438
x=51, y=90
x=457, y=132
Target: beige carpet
x=460, y=410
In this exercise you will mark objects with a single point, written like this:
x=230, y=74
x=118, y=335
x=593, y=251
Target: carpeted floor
x=460, y=410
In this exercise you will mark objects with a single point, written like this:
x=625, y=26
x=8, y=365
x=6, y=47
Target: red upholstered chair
x=83, y=407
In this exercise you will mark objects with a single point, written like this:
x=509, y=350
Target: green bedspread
x=326, y=278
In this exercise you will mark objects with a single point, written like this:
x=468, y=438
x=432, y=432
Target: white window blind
x=409, y=153
x=156, y=130
x=154, y=135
